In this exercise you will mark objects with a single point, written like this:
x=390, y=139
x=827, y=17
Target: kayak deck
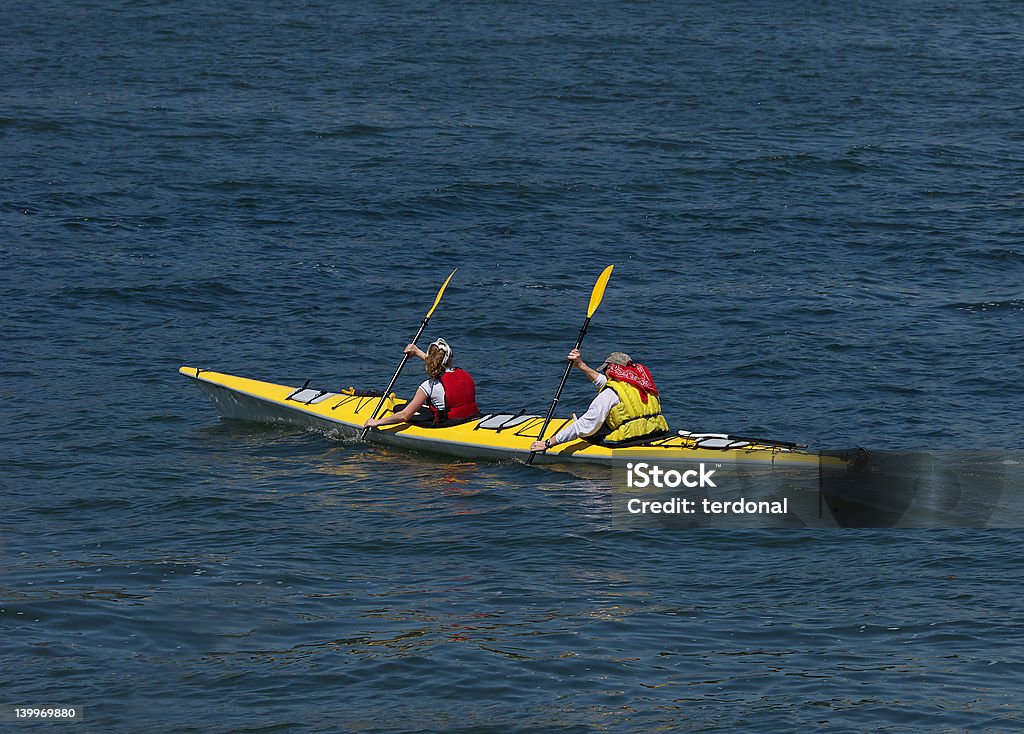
x=492, y=437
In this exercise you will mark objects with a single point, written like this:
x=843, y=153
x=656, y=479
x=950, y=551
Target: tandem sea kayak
x=493, y=437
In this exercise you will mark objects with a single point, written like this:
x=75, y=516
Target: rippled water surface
x=814, y=210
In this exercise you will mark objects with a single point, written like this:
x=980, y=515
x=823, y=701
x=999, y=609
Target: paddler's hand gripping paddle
x=595, y=300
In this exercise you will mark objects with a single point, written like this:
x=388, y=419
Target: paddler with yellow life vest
x=445, y=398
x=626, y=410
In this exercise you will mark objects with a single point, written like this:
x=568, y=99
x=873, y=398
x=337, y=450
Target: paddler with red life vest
x=626, y=410
x=446, y=397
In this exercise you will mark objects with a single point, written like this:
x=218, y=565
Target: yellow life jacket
x=632, y=418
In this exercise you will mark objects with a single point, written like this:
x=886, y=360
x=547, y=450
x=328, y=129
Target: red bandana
x=636, y=375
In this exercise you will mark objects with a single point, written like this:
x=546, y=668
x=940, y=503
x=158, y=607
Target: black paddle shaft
x=561, y=386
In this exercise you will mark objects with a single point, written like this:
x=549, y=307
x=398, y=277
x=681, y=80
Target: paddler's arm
x=578, y=363
x=586, y=424
x=401, y=416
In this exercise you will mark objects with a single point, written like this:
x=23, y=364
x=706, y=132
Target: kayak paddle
x=405, y=358
x=595, y=300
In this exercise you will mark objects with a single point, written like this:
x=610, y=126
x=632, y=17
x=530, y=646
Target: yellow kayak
x=497, y=436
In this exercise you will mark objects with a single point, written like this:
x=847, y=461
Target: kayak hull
x=493, y=438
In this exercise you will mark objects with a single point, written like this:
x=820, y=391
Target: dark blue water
x=814, y=210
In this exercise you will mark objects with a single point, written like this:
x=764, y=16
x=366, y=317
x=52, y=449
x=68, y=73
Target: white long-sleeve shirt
x=588, y=423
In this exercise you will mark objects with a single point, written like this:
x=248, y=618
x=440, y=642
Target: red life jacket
x=459, y=396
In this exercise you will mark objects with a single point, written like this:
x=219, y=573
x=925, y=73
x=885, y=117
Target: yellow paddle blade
x=598, y=293
x=441, y=293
